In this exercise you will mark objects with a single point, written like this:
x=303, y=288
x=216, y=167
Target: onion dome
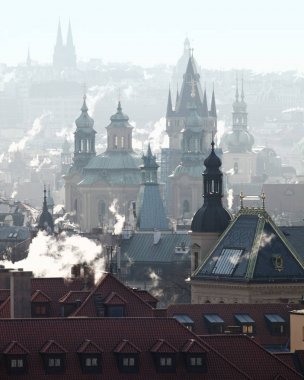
x=119, y=115
x=212, y=162
x=84, y=120
x=239, y=141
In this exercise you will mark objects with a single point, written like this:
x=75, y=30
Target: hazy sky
x=260, y=34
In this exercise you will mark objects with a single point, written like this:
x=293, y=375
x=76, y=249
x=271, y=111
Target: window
x=276, y=324
x=185, y=320
x=195, y=260
x=215, y=323
x=128, y=363
x=227, y=261
x=54, y=363
x=115, y=311
x=246, y=322
x=16, y=364
x=196, y=362
x=165, y=362
x=90, y=362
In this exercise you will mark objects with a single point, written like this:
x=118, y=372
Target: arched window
x=101, y=210
x=186, y=206
x=115, y=141
x=122, y=142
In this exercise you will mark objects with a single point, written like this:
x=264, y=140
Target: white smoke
x=34, y=131
x=159, y=137
x=95, y=94
x=120, y=219
x=230, y=199
x=51, y=256
x=266, y=239
x=220, y=131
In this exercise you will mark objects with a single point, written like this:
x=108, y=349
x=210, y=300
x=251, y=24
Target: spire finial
x=237, y=89
x=242, y=93
x=212, y=141
x=242, y=196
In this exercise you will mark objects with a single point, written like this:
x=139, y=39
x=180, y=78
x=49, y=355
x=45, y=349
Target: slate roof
x=252, y=249
x=140, y=248
x=227, y=312
x=244, y=352
x=59, y=335
x=151, y=211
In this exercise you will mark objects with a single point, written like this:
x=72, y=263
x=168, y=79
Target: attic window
x=276, y=324
x=196, y=362
x=227, y=261
x=128, y=363
x=115, y=311
x=277, y=261
x=16, y=364
x=185, y=320
x=246, y=322
x=215, y=323
x=90, y=362
x=54, y=363
x=165, y=362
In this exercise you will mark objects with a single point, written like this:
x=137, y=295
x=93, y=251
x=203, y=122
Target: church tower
x=64, y=55
x=84, y=148
x=212, y=218
x=119, y=132
x=45, y=222
x=150, y=212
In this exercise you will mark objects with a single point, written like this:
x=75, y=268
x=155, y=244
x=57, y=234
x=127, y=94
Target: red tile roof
x=227, y=311
x=15, y=348
x=194, y=346
x=40, y=335
x=89, y=347
x=126, y=347
x=135, y=306
x=249, y=356
x=162, y=346
x=115, y=299
x=74, y=296
x=40, y=296
x=52, y=347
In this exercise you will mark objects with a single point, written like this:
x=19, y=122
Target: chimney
x=156, y=236
x=20, y=293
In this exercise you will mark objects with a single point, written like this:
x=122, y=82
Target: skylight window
x=227, y=261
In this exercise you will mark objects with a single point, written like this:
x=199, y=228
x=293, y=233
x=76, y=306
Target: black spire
x=46, y=222
x=212, y=216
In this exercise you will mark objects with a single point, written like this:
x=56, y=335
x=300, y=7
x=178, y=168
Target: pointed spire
x=149, y=151
x=28, y=59
x=213, y=105
x=242, y=93
x=84, y=107
x=59, y=42
x=70, y=36
x=119, y=108
x=169, y=104
x=205, y=105
x=44, y=208
x=236, y=89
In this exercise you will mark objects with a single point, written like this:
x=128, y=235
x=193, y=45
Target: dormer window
x=185, y=320
x=164, y=356
x=246, y=322
x=53, y=356
x=215, y=323
x=196, y=362
x=276, y=324
x=15, y=358
x=127, y=355
x=90, y=356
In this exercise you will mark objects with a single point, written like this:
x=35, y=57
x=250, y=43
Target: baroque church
x=95, y=182
x=190, y=126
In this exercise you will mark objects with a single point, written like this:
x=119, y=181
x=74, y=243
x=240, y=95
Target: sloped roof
x=39, y=296
x=252, y=249
x=151, y=211
x=15, y=348
x=88, y=347
x=264, y=365
x=126, y=347
x=106, y=288
x=226, y=312
x=141, y=248
x=37, y=336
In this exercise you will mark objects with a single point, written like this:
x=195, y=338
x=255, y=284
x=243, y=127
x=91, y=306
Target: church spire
x=70, y=37
x=59, y=42
x=45, y=220
x=28, y=58
x=236, y=89
x=169, y=104
x=242, y=93
x=205, y=105
x=213, y=105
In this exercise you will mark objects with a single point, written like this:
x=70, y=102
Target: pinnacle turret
x=213, y=105
x=169, y=104
x=205, y=105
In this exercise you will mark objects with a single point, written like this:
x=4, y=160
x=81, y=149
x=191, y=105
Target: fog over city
x=89, y=94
